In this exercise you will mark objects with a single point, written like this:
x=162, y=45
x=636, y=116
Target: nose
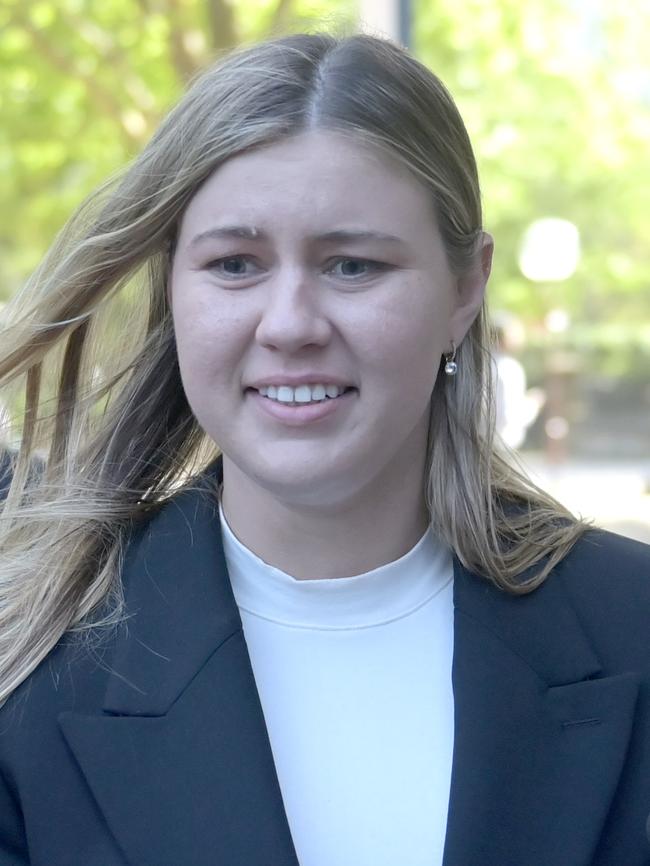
x=293, y=317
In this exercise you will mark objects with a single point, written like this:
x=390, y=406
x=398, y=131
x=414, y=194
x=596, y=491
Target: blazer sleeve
x=13, y=847
x=13, y=844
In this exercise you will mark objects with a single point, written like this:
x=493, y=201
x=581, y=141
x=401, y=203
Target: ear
x=471, y=290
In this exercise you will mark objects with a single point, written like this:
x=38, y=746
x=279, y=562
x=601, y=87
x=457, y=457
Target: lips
x=297, y=413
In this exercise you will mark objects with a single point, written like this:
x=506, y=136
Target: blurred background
x=556, y=96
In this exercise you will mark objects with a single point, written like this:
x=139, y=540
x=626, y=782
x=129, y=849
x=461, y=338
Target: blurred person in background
x=275, y=598
x=517, y=406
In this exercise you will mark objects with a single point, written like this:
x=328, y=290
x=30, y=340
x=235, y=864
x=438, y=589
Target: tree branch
x=221, y=21
x=183, y=61
x=282, y=16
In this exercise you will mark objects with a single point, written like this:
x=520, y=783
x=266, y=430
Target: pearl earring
x=451, y=367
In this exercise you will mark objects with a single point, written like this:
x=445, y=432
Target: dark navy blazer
x=151, y=749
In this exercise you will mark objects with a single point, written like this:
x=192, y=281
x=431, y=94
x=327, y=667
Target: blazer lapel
x=540, y=736
x=179, y=761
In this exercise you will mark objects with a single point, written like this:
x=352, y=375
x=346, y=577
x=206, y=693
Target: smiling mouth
x=302, y=395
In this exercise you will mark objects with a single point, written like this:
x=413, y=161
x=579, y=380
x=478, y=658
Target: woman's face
x=312, y=301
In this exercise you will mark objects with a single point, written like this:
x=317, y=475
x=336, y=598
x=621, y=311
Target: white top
x=354, y=677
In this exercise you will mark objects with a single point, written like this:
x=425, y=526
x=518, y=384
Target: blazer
x=147, y=746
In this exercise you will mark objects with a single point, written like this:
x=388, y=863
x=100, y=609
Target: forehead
x=316, y=178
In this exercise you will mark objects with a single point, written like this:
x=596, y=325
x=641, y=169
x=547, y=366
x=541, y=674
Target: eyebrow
x=340, y=236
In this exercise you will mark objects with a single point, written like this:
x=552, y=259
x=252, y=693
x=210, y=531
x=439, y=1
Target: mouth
x=302, y=395
x=303, y=406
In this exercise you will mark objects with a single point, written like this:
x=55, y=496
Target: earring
x=451, y=367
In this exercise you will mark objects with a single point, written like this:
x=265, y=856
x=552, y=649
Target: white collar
x=387, y=593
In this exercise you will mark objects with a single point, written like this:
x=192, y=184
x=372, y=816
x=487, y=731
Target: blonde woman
x=274, y=598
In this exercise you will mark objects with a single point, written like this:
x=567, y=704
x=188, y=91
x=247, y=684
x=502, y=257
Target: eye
x=351, y=269
x=233, y=267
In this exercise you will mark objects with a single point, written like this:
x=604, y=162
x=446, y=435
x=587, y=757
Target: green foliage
x=556, y=94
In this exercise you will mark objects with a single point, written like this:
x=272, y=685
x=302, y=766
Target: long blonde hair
x=117, y=434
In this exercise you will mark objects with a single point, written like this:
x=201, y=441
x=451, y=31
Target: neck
x=378, y=525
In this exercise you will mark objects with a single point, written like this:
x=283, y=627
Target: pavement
x=615, y=494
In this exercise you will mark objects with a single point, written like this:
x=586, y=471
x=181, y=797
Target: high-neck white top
x=354, y=677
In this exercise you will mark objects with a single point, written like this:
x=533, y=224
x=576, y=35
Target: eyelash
x=371, y=264
x=213, y=265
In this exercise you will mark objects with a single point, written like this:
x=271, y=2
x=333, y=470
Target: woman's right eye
x=233, y=267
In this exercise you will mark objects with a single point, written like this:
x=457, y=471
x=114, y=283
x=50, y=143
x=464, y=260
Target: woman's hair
x=107, y=433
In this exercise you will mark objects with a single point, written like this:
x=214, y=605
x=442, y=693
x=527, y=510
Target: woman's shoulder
x=168, y=579
x=72, y=677
x=74, y=674
x=607, y=579
x=619, y=565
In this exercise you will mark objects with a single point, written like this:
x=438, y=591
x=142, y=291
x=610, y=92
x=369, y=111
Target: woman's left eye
x=233, y=267
x=350, y=269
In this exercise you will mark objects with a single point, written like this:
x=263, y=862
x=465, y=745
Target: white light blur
x=557, y=321
x=379, y=17
x=550, y=250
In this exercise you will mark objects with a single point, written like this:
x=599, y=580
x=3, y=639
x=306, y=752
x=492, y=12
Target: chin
x=302, y=483
x=306, y=489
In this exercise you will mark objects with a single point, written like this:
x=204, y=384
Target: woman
x=358, y=636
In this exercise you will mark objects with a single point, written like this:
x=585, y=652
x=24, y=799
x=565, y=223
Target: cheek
x=406, y=347
x=206, y=348
x=203, y=330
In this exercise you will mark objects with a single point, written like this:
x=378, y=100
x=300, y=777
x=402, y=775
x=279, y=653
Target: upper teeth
x=301, y=394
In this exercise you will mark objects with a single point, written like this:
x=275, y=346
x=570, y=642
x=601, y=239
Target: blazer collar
x=180, y=763
x=179, y=760
x=540, y=734
x=179, y=602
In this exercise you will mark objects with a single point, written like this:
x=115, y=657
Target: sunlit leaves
x=556, y=94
